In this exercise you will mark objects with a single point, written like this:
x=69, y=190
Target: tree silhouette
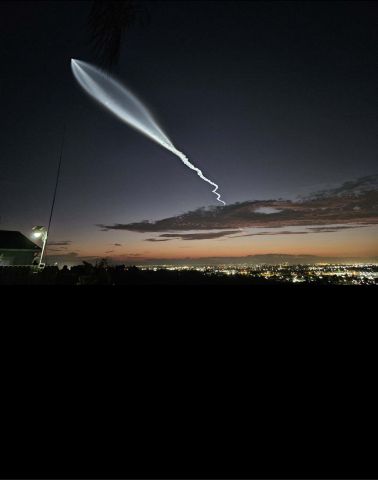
x=108, y=21
x=102, y=264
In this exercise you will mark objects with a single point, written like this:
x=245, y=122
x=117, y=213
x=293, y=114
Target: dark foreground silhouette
x=102, y=274
x=119, y=275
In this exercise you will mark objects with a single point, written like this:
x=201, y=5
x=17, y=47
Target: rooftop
x=11, y=239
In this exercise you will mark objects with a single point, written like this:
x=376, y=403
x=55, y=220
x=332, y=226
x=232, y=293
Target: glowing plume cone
x=120, y=101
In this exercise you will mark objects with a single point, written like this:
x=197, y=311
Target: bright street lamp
x=40, y=232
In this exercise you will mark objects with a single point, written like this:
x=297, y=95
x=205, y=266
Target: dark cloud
x=110, y=251
x=334, y=228
x=158, y=239
x=351, y=188
x=353, y=203
x=117, y=244
x=309, y=230
x=194, y=236
x=288, y=232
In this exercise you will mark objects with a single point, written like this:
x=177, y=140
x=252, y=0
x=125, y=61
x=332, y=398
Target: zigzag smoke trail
x=120, y=101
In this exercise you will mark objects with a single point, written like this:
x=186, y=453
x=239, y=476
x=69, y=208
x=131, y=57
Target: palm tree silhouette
x=108, y=21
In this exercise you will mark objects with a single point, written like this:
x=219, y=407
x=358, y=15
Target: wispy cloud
x=59, y=242
x=334, y=228
x=158, y=239
x=192, y=236
x=287, y=232
x=354, y=203
x=309, y=230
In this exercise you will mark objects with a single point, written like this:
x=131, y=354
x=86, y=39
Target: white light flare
x=120, y=101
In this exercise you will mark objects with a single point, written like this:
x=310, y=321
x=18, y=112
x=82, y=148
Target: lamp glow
x=40, y=232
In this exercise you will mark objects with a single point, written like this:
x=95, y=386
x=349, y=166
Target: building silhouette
x=16, y=249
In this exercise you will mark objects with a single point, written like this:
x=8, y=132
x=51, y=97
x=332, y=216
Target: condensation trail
x=120, y=101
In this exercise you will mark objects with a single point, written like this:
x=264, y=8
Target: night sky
x=272, y=100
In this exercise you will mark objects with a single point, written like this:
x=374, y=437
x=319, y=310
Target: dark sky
x=269, y=99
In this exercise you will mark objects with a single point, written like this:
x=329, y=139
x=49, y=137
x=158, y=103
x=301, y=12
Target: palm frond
x=108, y=21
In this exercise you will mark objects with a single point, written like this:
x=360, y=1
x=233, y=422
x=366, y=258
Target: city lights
x=327, y=274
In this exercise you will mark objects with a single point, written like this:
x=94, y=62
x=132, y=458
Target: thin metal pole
x=55, y=190
x=43, y=248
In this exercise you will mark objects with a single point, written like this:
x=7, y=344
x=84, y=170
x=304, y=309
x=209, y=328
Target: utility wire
x=57, y=179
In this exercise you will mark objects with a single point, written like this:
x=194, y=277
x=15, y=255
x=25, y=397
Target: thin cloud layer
x=191, y=236
x=288, y=232
x=354, y=203
x=158, y=239
x=59, y=242
x=309, y=230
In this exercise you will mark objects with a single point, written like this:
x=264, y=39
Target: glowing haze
x=120, y=101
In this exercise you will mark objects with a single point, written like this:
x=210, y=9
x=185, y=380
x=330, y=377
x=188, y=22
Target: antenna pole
x=55, y=190
x=57, y=179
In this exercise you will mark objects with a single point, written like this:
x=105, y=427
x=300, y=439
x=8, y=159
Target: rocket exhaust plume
x=120, y=101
